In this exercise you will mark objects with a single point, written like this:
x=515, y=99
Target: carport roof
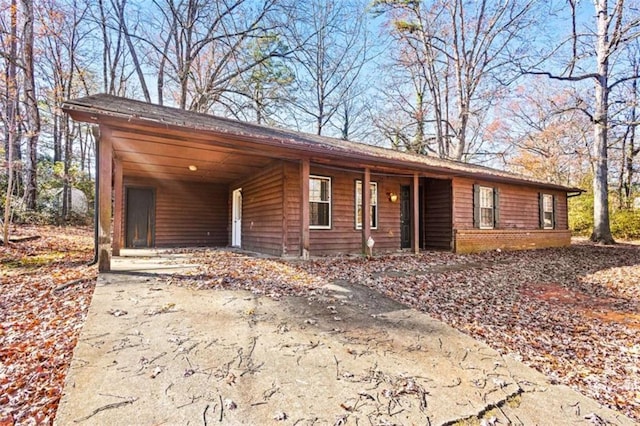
x=112, y=110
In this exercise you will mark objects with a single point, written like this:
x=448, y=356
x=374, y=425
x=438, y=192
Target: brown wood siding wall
x=518, y=205
x=262, y=211
x=519, y=225
x=437, y=224
x=343, y=237
x=187, y=213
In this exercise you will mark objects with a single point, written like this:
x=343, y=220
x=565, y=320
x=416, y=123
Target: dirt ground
x=152, y=352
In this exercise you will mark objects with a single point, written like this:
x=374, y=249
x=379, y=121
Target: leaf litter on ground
x=41, y=318
x=571, y=313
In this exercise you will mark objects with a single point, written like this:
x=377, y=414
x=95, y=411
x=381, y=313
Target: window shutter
x=541, y=210
x=476, y=206
x=555, y=208
x=496, y=207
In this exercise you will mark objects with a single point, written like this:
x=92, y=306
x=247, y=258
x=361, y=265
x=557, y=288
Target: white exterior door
x=236, y=213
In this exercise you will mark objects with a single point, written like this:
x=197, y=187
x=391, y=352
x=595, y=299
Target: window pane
x=486, y=217
x=319, y=214
x=374, y=216
x=373, y=202
x=315, y=190
x=486, y=197
x=548, y=219
x=324, y=194
x=319, y=189
x=374, y=194
x=548, y=202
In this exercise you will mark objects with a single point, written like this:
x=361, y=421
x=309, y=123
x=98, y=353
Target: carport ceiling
x=160, y=156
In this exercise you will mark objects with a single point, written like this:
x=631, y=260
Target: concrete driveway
x=152, y=353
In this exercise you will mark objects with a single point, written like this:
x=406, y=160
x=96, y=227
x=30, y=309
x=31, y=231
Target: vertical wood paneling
x=292, y=188
x=188, y=213
x=437, y=214
x=262, y=211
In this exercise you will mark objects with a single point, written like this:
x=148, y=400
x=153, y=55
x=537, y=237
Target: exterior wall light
x=393, y=197
x=193, y=168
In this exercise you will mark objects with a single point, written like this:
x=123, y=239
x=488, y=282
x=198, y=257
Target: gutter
x=575, y=194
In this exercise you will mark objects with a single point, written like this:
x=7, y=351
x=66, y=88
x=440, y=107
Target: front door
x=405, y=217
x=140, y=217
x=236, y=213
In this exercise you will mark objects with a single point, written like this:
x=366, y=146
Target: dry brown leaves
x=39, y=326
x=222, y=269
x=573, y=314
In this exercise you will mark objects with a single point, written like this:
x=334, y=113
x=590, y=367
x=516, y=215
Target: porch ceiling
x=160, y=156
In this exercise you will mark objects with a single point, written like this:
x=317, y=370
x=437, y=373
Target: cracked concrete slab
x=153, y=353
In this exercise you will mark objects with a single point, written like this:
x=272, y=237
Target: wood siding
x=343, y=237
x=187, y=213
x=436, y=218
x=262, y=211
x=519, y=223
x=518, y=205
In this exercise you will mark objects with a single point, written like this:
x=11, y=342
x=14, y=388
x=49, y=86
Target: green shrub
x=625, y=224
x=581, y=214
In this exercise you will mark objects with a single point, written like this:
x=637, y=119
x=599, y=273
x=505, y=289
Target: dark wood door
x=405, y=217
x=140, y=217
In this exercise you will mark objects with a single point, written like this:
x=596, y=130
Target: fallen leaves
x=40, y=318
x=571, y=313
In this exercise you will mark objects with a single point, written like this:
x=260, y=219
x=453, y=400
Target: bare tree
x=454, y=49
x=332, y=41
x=613, y=32
x=196, y=47
x=624, y=125
x=64, y=76
x=544, y=133
x=32, y=113
x=9, y=41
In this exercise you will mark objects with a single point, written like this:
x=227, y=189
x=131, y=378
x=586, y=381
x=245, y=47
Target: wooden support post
x=366, y=212
x=304, y=208
x=105, y=145
x=118, y=209
x=415, y=217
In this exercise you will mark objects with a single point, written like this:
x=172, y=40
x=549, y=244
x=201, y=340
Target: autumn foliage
x=572, y=313
x=45, y=290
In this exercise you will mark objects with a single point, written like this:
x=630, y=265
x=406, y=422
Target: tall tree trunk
x=632, y=151
x=11, y=133
x=601, y=228
x=32, y=115
x=132, y=51
x=68, y=153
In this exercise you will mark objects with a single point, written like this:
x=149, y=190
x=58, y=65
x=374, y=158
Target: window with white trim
x=547, y=211
x=486, y=208
x=319, y=202
x=373, y=205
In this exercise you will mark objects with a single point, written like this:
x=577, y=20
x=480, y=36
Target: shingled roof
x=98, y=107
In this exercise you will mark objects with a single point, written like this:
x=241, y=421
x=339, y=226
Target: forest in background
x=543, y=88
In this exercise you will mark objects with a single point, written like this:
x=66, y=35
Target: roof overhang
x=162, y=140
